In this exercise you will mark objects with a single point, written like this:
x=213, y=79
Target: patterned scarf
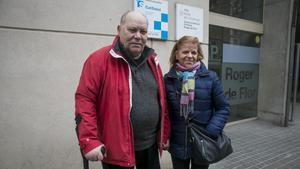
x=188, y=87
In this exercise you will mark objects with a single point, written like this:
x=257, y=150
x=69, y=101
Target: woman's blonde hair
x=180, y=42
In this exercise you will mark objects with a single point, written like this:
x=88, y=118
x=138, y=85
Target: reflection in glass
x=244, y=9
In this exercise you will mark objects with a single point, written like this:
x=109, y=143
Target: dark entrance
x=294, y=74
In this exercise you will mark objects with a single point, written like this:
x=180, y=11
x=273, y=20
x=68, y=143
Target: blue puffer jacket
x=211, y=108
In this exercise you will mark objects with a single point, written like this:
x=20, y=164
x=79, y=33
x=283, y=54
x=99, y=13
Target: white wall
x=43, y=45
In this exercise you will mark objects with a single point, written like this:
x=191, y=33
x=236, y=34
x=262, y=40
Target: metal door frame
x=293, y=70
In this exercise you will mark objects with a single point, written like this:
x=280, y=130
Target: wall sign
x=157, y=14
x=189, y=21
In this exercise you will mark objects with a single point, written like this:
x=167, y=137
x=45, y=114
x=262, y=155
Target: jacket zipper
x=130, y=107
x=186, y=140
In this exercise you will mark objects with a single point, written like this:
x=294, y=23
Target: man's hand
x=95, y=154
x=166, y=146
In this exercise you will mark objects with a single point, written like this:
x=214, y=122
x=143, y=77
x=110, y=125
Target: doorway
x=294, y=67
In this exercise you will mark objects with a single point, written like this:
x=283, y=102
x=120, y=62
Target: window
x=234, y=55
x=245, y=9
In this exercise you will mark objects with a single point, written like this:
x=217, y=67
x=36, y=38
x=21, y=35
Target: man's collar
x=144, y=55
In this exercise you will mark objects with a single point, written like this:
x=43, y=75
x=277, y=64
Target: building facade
x=43, y=45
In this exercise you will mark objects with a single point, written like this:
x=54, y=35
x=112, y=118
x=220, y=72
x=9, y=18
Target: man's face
x=133, y=33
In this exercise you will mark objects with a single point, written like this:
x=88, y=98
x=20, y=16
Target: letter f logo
x=140, y=3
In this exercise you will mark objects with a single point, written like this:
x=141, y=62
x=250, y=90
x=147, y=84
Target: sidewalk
x=259, y=145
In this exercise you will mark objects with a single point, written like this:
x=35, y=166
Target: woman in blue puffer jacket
x=193, y=93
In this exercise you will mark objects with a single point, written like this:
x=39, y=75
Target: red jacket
x=103, y=100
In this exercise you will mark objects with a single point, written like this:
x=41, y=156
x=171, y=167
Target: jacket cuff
x=211, y=132
x=89, y=145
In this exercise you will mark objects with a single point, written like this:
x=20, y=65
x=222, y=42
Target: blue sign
x=156, y=12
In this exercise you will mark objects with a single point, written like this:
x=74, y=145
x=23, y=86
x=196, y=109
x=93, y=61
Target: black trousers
x=145, y=159
x=185, y=164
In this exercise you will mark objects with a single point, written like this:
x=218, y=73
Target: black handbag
x=206, y=150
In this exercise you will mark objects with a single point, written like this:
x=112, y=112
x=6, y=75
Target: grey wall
x=43, y=45
x=274, y=61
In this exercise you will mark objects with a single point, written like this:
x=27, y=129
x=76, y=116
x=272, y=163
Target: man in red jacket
x=120, y=101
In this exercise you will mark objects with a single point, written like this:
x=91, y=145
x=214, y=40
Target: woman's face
x=186, y=55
